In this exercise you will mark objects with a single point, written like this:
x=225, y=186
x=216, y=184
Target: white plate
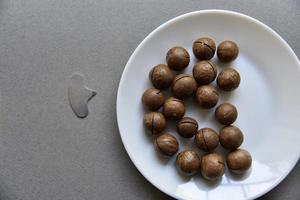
x=268, y=101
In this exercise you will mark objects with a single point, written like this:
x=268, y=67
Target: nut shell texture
x=239, y=161
x=207, y=139
x=227, y=51
x=188, y=162
x=204, y=72
x=161, y=76
x=173, y=108
x=155, y=122
x=184, y=86
x=231, y=137
x=207, y=96
x=226, y=113
x=187, y=127
x=178, y=58
x=212, y=166
x=153, y=99
x=204, y=48
x=166, y=144
x=228, y=79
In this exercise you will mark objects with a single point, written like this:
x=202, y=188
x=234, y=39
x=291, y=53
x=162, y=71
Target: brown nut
x=207, y=96
x=227, y=51
x=212, y=166
x=178, y=58
x=239, y=161
x=231, y=137
x=204, y=72
x=226, y=113
x=206, y=139
x=173, y=108
x=184, y=86
x=204, y=48
x=166, y=144
x=161, y=76
x=153, y=99
x=155, y=122
x=228, y=79
x=188, y=162
x=187, y=127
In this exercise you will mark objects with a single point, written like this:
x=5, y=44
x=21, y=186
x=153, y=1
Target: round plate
x=267, y=100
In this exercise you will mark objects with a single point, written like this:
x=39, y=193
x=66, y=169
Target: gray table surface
x=47, y=153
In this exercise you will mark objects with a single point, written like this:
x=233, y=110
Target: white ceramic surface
x=267, y=100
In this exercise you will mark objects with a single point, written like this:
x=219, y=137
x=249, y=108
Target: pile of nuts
x=188, y=162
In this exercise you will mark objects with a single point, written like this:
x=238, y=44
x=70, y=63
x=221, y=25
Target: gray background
x=45, y=151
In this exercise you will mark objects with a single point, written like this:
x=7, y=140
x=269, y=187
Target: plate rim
x=157, y=29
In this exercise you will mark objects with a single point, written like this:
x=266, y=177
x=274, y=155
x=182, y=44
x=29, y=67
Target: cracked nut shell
x=239, y=161
x=231, y=137
x=228, y=79
x=183, y=86
x=166, y=144
x=161, y=76
x=178, y=58
x=204, y=72
x=227, y=51
x=153, y=99
x=173, y=108
x=212, y=166
x=187, y=127
x=188, y=162
x=207, y=96
x=204, y=48
x=226, y=113
x=206, y=139
x=155, y=122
